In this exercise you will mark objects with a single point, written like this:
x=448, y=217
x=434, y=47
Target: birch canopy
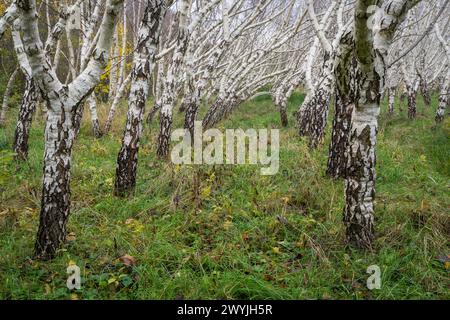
x=148, y=67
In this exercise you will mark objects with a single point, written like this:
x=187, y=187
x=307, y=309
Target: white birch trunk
x=115, y=104
x=143, y=63
x=113, y=70
x=26, y=112
x=168, y=98
x=7, y=96
x=443, y=98
x=11, y=14
x=371, y=50
x=391, y=99
x=62, y=102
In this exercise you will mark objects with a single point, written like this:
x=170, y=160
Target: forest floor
x=227, y=232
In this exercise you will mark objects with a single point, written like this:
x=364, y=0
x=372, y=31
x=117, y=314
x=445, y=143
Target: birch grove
x=202, y=61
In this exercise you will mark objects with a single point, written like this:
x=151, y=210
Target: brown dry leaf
x=71, y=237
x=424, y=205
x=128, y=260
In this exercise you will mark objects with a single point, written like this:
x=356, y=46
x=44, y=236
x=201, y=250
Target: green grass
x=233, y=233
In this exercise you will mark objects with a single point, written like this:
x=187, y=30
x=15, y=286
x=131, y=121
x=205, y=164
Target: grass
x=209, y=232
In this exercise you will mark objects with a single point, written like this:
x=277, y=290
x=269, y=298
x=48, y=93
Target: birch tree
x=445, y=88
x=29, y=99
x=168, y=97
x=313, y=114
x=371, y=49
x=6, y=96
x=63, y=102
x=143, y=64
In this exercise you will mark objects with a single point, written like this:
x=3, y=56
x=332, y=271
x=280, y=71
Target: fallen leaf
x=227, y=225
x=424, y=205
x=128, y=260
x=130, y=221
x=71, y=237
x=276, y=250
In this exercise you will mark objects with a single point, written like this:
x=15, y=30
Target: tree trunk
x=26, y=112
x=64, y=103
x=127, y=160
x=425, y=90
x=281, y=98
x=192, y=106
x=371, y=51
x=113, y=80
x=211, y=116
x=337, y=157
x=283, y=114
x=6, y=97
x=165, y=123
x=55, y=204
x=345, y=72
x=94, y=118
x=78, y=116
x=360, y=177
x=171, y=88
x=143, y=63
x=153, y=111
x=115, y=103
x=312, y=117
x=391, y=100
x=443, y=101
x=412, y=106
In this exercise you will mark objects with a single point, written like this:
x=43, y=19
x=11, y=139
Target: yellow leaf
x=206, y=192
x=276, y=250
x=72, y=263
x=112, y=280
x=300, y=244
x=227, y=225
